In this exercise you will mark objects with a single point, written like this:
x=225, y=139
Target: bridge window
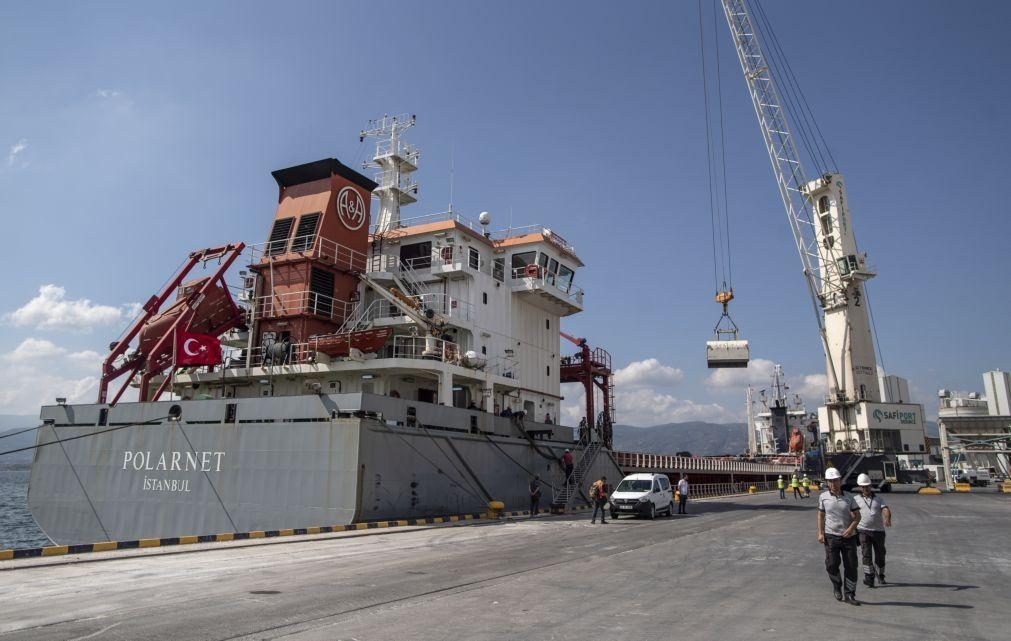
x=823, y=205
x=418, y=255
x=474, y=258
x=523, y=259
x=564, y=278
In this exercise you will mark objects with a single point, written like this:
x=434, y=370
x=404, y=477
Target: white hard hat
x=832, y=474
x=863, y=479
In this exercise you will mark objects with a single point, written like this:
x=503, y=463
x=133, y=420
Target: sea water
x=17, y=527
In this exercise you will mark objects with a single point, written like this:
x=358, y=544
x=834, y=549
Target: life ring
x=532, y=271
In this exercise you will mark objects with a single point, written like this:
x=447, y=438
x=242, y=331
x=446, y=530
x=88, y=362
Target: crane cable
x=716, y=170
x=714, y=219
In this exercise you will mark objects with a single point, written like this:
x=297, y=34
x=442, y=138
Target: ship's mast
x=395, y=160
x=752, y=444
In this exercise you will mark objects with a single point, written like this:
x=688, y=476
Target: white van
x=642, y=495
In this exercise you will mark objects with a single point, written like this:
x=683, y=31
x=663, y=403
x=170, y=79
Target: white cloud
x=758, y=373
x=107, y=93
x=15, y=150
x=811, y=387
x=648, y=373
x=642, y=397
x=33, y=349
x=37, y=371
x=51, y=310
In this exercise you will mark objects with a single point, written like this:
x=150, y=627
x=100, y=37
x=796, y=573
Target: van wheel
x=670, y=509
x=652, y=511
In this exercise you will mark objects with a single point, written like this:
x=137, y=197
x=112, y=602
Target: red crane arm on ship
x=156, y=330
x=592, y=369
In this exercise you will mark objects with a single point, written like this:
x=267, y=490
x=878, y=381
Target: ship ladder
x=563, y=495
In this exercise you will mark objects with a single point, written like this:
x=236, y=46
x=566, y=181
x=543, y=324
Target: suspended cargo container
x=734, y=353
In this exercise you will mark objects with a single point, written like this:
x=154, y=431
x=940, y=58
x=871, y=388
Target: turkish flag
x=197, y=349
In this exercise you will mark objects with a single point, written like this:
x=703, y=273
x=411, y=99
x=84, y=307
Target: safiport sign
x=351, y=208
x=903, y=417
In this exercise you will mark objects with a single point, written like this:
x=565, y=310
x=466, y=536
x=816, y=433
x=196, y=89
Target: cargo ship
x=342, y=370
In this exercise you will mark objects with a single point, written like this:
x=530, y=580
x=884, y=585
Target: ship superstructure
x=778, y=418
x=406, y=368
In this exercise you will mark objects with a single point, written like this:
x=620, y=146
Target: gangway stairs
x=563, y=495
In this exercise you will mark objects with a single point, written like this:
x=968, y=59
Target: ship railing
x=407, y=151
x=503, y=366
x=310, y=246
x=701, y=464
x=297, y=303
x=551, y=236
x=448, y=306
x=405, y=269
x=426, y=348
x=535, y=276
x=443, y=304
x=279, y=354
x=435, y=218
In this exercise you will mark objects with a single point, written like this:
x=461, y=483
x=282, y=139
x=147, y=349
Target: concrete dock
x=735, y=568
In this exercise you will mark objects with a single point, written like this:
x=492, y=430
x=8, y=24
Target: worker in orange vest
x=598, y=494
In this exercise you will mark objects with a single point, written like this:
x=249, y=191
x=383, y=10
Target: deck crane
x=834, y=270
x=592, y=369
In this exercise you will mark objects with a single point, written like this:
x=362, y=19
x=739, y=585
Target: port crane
x=835, y=271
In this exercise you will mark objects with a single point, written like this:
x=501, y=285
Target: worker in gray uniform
x=838, y=518
x=875, y=516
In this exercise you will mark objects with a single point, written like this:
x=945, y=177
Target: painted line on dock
x=109, y=546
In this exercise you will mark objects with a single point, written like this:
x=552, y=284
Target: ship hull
x=240, y=465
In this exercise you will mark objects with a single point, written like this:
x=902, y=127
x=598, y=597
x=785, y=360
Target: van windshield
x=634, y=485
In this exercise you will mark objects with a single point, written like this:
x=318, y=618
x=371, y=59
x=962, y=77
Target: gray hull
x=275, y=463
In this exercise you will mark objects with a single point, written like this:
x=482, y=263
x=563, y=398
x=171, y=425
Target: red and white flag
x=197, y=349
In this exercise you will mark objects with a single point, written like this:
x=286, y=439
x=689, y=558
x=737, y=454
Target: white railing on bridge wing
x=539, y=278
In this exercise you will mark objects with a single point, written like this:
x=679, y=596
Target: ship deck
x=734, y=568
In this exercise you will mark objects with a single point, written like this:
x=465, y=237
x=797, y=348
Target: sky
x=133, y=133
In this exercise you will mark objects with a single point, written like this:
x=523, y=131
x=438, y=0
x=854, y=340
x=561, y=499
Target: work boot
x=852, y=599
x=869, y=580
x=881, y=578
x=837, y=591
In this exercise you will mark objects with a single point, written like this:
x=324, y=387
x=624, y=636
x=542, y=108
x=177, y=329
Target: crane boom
x=855, y=419
x=834, y=284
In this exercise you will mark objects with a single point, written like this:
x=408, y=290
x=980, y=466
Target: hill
x=9, y=424
x=698, y=437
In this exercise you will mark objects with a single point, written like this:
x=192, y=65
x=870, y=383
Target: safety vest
x=794, y=482
x=806, y=482
x=779, y=483
x=597, y=490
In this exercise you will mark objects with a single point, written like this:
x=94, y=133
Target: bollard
x=495, y=509
x=752, y=489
